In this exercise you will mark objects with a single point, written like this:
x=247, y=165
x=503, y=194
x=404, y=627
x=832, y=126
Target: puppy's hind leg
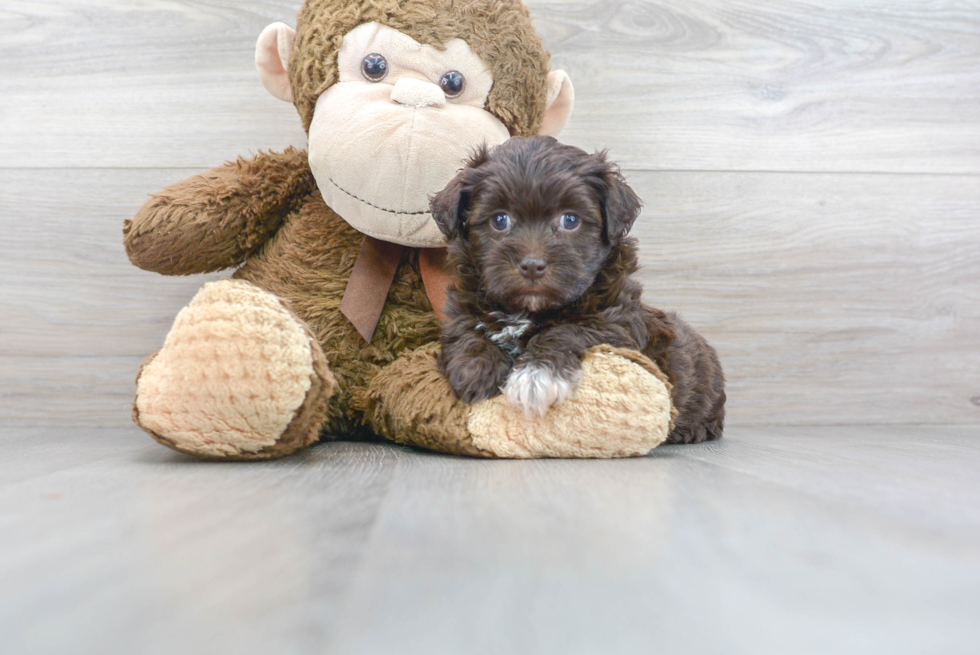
x=699, y=386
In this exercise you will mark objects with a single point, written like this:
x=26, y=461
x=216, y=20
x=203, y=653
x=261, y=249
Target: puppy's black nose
x=533, y=267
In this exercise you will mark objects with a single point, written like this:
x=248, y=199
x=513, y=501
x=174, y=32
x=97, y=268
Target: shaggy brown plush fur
x=499, y=31
x=217, y=220
x=410, y=402
x=538, y=235
x=307, y=265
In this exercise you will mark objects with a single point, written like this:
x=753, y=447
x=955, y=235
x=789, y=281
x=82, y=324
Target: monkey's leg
x=621, y=408
x=239, y=377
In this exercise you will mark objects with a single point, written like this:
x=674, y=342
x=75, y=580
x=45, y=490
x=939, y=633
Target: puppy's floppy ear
x=619, y=203
x=450, y=207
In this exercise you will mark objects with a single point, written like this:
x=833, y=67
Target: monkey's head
x=396, y=94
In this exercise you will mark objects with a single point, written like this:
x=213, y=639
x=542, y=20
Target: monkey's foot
x=238, y=377
x=621, y=408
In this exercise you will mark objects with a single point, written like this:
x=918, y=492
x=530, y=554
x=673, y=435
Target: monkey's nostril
x=533, y=267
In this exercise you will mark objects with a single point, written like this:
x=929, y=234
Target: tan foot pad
x=235, y=371
x=620, y=409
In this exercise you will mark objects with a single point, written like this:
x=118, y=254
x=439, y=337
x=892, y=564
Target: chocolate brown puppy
x=538, y=233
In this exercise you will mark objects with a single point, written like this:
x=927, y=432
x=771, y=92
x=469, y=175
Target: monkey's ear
x=272, y=59
x=619, y=203
x=561, y=98
x=450, y=206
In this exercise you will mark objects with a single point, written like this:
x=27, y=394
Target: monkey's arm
x=550, y=368
x=217, y=219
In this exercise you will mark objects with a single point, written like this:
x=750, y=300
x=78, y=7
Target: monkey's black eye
x=500, y=222
x=570, y=222
x=452, y=83
x=374, y=67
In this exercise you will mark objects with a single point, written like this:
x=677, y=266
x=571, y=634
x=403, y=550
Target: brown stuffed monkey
x=329, y=326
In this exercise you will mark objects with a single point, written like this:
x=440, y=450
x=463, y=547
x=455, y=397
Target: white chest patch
x=509, y=336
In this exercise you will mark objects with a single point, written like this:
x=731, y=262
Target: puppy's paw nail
x=535, y=387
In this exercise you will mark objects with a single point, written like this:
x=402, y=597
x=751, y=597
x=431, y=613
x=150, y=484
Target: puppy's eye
x=452, y=83
x=570, y=222
x=374, y=67
x=500, y=222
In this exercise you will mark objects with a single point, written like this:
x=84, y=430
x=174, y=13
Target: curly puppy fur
x=538, y=234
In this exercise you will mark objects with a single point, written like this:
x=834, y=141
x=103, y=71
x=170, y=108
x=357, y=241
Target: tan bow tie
x=372, y=276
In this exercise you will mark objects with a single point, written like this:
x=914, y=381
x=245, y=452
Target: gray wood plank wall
x=810, y=170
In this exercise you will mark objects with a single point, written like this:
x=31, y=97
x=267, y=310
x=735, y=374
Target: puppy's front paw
x=476, y=379
x=534, y=387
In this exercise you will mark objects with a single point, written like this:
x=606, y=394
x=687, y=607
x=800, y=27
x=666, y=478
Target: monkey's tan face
x=394, y=130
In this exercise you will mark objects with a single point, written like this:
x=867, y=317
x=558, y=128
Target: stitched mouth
x=371, y=204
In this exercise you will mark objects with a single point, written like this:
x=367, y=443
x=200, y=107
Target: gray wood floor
x=775, y=540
